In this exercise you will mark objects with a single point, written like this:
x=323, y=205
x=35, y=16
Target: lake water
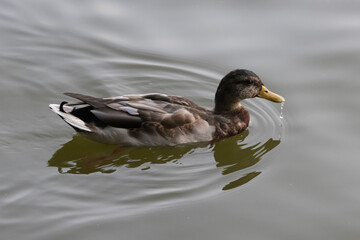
x=291, y=178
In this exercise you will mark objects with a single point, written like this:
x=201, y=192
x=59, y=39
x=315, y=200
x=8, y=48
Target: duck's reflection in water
x=234, y=155
x=81, y=156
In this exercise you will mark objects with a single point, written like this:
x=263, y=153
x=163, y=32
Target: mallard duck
x=160, y=119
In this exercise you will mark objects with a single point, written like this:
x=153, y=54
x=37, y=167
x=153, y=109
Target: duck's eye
x=247, y=82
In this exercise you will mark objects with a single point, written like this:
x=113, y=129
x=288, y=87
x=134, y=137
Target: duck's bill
x=265, y=93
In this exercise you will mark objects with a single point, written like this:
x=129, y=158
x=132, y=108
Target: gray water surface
x=295, y=178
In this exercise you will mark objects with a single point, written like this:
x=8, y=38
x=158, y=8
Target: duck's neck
x=228, y=108
x=231, y=121
x=225, y=103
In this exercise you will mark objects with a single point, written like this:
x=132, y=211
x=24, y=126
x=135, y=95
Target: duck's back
x=150, y=119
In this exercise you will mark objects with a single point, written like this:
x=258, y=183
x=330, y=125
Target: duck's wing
x=131, y=111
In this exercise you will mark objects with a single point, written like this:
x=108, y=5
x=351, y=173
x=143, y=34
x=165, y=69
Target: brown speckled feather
x=173, y=118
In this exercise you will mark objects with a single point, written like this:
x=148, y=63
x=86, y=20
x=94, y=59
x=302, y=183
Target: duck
x=157, y=119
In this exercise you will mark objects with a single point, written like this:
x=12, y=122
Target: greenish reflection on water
x=81, y=156
x=233, y=156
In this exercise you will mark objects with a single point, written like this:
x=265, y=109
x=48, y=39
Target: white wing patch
x=130, y=110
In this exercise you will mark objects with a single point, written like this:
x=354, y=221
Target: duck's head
x=238, y=85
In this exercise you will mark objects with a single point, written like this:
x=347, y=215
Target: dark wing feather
x=116, y=118
x=93, y=101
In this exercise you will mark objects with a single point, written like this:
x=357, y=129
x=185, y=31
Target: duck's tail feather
x=64, y=112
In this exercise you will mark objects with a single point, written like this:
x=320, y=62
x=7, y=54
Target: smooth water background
x=292, y=179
